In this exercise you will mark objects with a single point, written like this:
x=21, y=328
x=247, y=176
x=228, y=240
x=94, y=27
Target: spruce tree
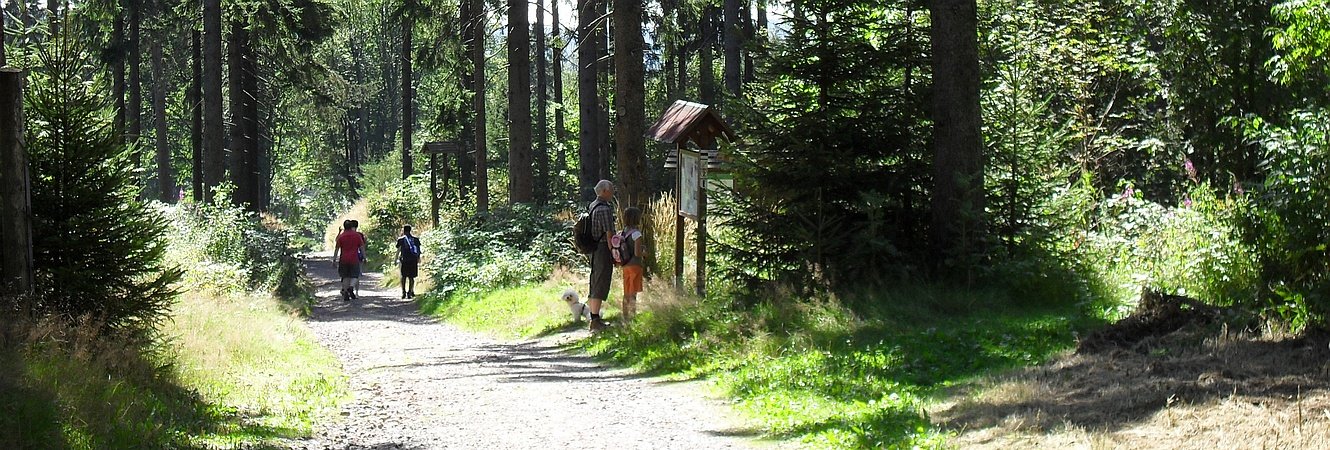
x=97, y=249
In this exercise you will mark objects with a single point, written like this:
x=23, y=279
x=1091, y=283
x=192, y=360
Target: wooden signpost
x=683, y=123
x=434, y=149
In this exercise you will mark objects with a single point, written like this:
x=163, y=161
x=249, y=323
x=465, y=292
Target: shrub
x=507, y=247
x=97, y=249
x=225, y=249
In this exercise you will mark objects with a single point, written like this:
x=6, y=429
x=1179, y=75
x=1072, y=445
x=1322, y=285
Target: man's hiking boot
x=346, y=295
x=596, y=325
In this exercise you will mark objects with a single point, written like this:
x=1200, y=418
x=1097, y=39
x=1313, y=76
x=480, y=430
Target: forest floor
x=1168, y=377
x=418, y=384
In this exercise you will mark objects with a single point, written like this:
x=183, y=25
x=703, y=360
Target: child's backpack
x=621, y=247
x=583, y=239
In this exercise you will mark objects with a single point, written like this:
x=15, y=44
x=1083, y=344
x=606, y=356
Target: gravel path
x=421, y=384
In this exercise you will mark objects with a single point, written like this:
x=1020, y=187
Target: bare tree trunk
x=15, y=188
x=671, y=41
x=733, y=42
x=685, y=27
x=478, y=81
x=541, y=153
x=557, y=53
x=239, y=144
x=958, y=164
x=165, y=177
x=196, y=121
x=408, y=94
x=118, y=71
x=588, y=51
x=706, y=83
x=604, y=67
x=519, y=104
x=749, y=32
x=134, y=110
x=630, y=100
x=213, y=155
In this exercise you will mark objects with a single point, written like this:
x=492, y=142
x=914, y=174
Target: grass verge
x=232, y=372
x=860, y=373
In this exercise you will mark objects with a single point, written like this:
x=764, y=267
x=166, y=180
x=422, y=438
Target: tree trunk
x=15, y=188
x=254, y=152
x=733, y=42
x=630, y=98
x=519, y=104
x=685, y=28
x=408, y=94
x=165, y=177
x=604, y=67
x=196, y=120
x=561, y=166
x=588, y=143
x=749, y=32
x=118, y=72
x=241, y=142
x=133, y=112
x=467, y=21
x=958, y=164
x=478, y=81
x=541, y=155
x=670, y=38
x=706, y=82
x=213, y=155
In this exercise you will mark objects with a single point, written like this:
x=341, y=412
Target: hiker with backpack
x=601, y=229
x=408, y=258
x=626, y=249
x=350, y=245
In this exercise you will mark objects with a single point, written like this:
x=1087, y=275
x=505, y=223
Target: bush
x=225, y=249
x=97, y=249
x=507, y=247
x=1289, y=222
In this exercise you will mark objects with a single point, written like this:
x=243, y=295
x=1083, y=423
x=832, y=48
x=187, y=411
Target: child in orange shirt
x=631, y=238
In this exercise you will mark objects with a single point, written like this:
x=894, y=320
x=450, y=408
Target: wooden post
x=678, y=223
x=434, y=187
x=15, y=199
x=702, y=227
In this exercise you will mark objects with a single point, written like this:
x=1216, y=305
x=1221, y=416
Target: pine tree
x=97, y=249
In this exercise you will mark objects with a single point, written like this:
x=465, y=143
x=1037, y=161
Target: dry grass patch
x=1195, y=388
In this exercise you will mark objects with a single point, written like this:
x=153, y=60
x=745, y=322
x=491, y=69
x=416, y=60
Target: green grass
x=815, y=370
x=508, y=313
x=232, y=371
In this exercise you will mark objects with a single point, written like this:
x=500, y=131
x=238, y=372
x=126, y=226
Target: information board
x=690, y=182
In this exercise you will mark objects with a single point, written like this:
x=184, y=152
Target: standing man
x=408, y=257
x=602, y=265
x=346, y=254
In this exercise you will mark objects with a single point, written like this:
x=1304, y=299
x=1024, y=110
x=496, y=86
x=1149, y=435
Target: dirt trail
x=420, y=384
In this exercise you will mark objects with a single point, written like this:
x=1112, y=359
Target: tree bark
x=241, y=144
x=15, y=188
x=519, y=104
x=604, y=67
x=959, y=159
x=213, y=156
x=196, y=119
x=134, y=110
x=408, y=94
x=588, y=143
x=478, y=81
x=165, y=176
x=733, y=42
x=118, y=71
x=630, y=99
x=706, y=82
x=541, y=189
x=561, y=165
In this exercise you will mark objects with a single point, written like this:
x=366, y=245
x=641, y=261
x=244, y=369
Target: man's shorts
x=601, y=269
x=345, y=270
x=410, y=267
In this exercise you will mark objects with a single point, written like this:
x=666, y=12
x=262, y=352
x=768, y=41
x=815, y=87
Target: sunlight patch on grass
x=246, y=352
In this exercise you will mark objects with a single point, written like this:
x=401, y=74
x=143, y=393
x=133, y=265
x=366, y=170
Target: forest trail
x=420, y=384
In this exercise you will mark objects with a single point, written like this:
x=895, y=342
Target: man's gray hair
x=604, y=186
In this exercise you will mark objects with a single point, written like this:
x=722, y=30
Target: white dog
x=575, y=305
